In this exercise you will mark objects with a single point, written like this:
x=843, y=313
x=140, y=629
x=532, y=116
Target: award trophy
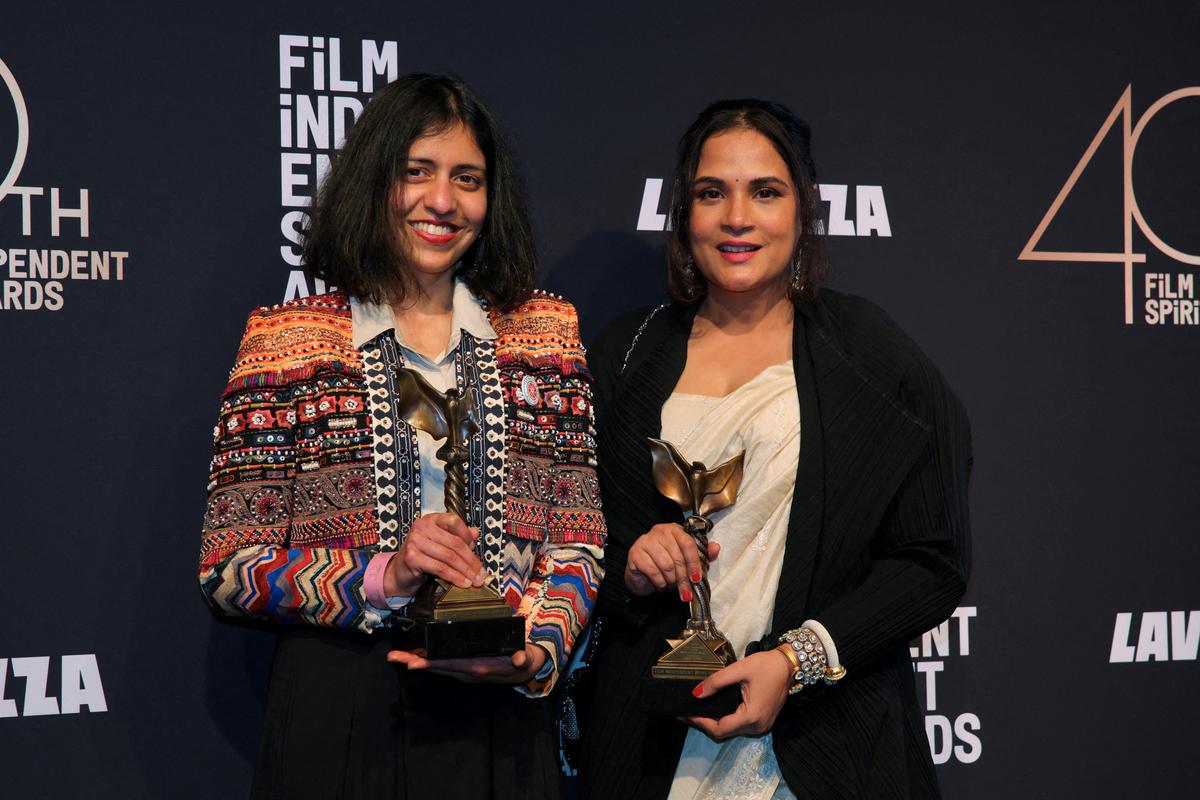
x=700, y=649
x=445, y=620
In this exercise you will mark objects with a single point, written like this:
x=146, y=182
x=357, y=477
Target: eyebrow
x=767, y=180
x=431, y=162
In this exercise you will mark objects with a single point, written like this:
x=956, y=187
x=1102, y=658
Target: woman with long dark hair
x=326, y=509
x=850, y=531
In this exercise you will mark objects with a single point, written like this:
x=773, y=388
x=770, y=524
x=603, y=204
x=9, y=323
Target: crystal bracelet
x=806, y=655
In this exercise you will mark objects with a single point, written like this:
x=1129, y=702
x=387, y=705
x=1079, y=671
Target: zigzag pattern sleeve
x=557, y=603
x=246, y=566
x=313, y=586
x=570, y=563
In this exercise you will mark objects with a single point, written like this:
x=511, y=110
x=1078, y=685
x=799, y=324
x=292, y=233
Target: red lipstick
x=736, y=251
x=431, y=236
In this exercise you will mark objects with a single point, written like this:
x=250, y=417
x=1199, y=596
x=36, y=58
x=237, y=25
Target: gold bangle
x=809, y=654
x=790, y=655
x=795, y=669
x=835, y=674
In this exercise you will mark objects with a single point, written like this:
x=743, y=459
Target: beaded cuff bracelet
x=806, y=655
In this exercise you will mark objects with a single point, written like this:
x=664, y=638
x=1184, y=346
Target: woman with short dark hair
x=849, y=535
x=350, y=240
x=326, y=509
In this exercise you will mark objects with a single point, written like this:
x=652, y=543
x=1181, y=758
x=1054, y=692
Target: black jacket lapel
x=805, y=520
x=856, y=445
x=632, y=504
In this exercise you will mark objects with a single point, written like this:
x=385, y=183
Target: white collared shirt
x=371, y=319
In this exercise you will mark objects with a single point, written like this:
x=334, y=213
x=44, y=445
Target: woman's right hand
x=663, y=558
x=437, y=544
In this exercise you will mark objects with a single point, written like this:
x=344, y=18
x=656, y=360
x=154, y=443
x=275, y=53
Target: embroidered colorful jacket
x=313, y=473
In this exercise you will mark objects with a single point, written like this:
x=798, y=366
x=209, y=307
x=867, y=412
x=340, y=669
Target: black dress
x=343, y=722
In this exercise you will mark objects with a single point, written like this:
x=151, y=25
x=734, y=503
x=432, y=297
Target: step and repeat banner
x=1017, y=186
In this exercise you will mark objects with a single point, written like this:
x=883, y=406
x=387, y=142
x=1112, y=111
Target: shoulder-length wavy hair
x=349, y=240
x=792, y=139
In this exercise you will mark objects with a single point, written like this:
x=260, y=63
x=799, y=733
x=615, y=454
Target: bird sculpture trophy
x=444, y=620
x=700, y=649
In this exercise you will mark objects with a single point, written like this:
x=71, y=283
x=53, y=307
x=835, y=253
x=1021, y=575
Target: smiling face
x=440, y=203
x=742, y=227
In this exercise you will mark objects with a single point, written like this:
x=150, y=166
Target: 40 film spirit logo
x=869, y=217
x=1169, y=298
x=34, y=272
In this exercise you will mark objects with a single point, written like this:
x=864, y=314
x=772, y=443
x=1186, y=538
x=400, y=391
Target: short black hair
x=348, y=238
x=792, y=139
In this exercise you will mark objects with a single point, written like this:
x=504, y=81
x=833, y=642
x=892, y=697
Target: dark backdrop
x=950, y=130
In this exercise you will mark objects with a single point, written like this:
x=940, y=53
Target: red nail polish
x=696, y=576
x=699, y=690
x=687, y=596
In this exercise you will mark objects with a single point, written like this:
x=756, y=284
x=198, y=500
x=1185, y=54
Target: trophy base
x=673, y=698
x=464, y=638
x=449, y=621
x=690, y=659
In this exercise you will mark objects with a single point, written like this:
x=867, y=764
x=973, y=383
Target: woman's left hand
x=764, y=679
x=517, y=669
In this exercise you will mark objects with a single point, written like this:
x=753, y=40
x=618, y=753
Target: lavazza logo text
x=63, y=685
x=323, y=86
x=1152, y=294
x=37, y=269
x=868, y=217
x=1155, y=636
